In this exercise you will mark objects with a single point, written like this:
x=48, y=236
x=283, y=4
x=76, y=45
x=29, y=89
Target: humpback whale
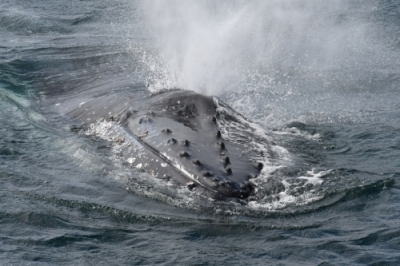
x=181, y=136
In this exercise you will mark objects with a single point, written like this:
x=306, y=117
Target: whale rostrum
x=177, y=135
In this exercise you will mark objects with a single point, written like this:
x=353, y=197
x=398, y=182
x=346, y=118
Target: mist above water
x=216, y=47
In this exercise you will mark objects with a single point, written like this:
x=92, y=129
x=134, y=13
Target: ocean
x=319, y=79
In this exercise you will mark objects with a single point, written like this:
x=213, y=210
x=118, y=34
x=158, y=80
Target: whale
x=180, y=136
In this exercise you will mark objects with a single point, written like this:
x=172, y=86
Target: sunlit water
x=321, y=80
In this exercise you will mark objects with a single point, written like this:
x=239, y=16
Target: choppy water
x=322, y=78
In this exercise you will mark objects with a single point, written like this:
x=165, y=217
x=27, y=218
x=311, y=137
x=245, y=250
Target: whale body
x=179, y=136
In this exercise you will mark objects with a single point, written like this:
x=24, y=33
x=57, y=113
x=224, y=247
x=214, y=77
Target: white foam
x=274, y=157
x=131, y=160
x=314, y=177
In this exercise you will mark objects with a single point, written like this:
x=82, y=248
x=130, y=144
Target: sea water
x=320, y=79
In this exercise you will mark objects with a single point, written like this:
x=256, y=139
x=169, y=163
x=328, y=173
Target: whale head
x=185, y=137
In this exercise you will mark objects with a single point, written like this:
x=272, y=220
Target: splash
x=215, y=47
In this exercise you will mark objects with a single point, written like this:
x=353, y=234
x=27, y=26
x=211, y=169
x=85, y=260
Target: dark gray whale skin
x=175, y=136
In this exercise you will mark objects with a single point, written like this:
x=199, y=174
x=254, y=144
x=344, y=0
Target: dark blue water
x=322, y=78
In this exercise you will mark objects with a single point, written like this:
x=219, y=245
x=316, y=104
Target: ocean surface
x=320, y=78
